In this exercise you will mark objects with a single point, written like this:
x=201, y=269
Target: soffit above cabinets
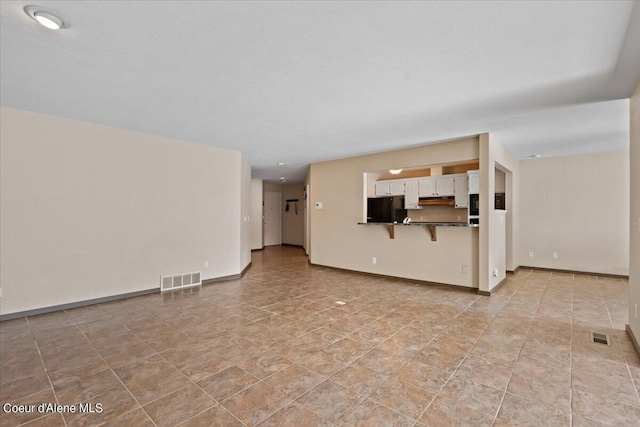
x=432, y=170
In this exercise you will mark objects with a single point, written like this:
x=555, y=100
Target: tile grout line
x=114, y=373
x=461, y=362
x=218, y=404
x=408, y=360
x=606, y=304
x=327, y=378
x=174, y=391
x=504, y=394
x=404, y=364
x=623, y=353
x=465, y=357
x=571, y=358
x=53, y=390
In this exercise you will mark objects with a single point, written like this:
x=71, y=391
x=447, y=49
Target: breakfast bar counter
x=431, y=226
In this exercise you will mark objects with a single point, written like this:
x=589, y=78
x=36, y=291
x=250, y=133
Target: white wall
x=494, y=241
x=634, y=234
x=307, y=215
x=90, y=211
x=338, y=241
x=256, y=214
x=498, y=249
x=246, y=207
x=577, y=206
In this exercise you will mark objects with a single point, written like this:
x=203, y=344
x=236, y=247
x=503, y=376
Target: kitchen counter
x=435, y=224
x=431, y=226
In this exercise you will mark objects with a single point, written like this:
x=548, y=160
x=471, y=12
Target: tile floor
x=273, y=349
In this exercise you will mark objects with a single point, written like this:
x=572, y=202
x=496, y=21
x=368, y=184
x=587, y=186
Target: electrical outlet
x=374, y=260
x=530, y=254
x=554, y=255
x=206, y=264
x=636, y=306
x=465, y=269
x=495, y=272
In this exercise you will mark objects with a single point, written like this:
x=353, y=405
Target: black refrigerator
x=386, y=209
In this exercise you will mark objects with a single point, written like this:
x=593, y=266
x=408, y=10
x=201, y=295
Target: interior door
x=272, y=218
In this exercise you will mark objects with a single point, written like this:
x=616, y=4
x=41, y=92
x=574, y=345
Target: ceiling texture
x=302, y=82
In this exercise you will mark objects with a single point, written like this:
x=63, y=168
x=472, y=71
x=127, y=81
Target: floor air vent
x=186, y=280
x=600, y=338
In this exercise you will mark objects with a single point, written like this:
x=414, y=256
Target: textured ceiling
x=300, y=82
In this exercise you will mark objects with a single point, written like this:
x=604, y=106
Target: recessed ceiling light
x=395, y=171
x=282, y=177
x=46, y=18
x=534, y=156
x=281, y=164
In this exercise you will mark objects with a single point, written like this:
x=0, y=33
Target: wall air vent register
x=180, y=281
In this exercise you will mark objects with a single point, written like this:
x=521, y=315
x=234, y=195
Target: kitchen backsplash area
x=438, y=214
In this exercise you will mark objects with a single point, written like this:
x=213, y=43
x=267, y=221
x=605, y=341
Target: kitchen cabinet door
x=427, y=187
x=462, y=192
x=382, y=188
x=411, y=195
x=474, y=184
x=396, y=188
x=445, y=187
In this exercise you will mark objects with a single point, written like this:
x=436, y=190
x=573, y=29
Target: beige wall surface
x=307, y=214
x=577, y=206
x=498, y=241
x=292, y=222
x=338, y=241
x=634, y=235
x=438, y=214
x=267, y=186
x=90, y=211
x=256, y=214
x=245, y=197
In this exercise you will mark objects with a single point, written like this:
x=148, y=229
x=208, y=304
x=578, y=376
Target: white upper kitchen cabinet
x=389, y=188
x=396, y=188
x=474, y=182
x=427, y=187
x=445, y=186
x=411, y=195
x=432, y=187
x=382, y=188
x=462, y=192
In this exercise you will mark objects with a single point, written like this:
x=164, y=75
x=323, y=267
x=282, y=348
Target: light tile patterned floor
x=274, y=349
